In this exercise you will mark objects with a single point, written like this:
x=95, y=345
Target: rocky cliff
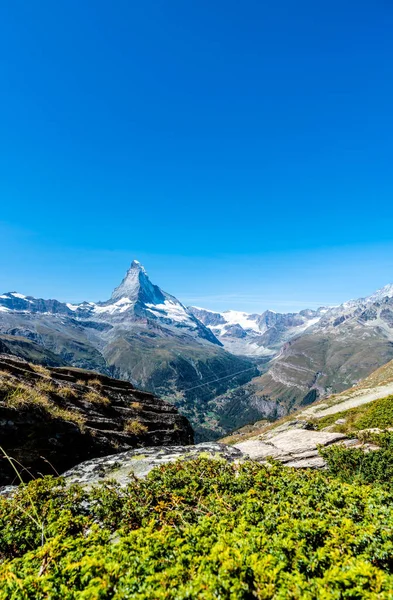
x=53, y=418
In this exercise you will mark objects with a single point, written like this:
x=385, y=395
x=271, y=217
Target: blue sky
x=241, y=151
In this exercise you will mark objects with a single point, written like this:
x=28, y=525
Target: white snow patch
x=306, y=325
x=387, y=290
x=17, y=295
x=173, y=310
x=236, y=317
x=214, y=312
x=4, y=309
x=72, y=306
x=117, y=307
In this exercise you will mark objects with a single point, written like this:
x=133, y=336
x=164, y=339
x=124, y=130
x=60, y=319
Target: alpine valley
x=222, y=370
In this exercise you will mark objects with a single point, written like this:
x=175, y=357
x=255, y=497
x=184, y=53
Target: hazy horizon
x=245, y=284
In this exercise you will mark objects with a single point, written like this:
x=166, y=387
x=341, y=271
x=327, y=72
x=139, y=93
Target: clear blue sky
x=241, y=150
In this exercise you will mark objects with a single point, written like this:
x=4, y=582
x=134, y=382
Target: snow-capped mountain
x=257, y=334
x=260, y=335
x=141, y=333
x=135, y=299
x=346, y=344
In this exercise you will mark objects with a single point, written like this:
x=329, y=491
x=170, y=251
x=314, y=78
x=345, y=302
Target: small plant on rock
x=96, y=398
x=135, y=427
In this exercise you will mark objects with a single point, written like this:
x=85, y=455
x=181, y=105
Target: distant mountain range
x=338, y=347
x=257, y=335
x=221, y=369
x=346, y=344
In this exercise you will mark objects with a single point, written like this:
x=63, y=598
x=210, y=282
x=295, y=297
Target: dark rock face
x=235, y=331
x=52, y=419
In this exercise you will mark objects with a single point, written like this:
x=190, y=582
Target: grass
x=96, y=398
x=20, y=396
x=135, y=427
x=69, y=415
x=42, y=370
x=136, y=405
x=46, y=385
x=67, y=392
x=97, y=383
x=23, y=395
x=378, y=414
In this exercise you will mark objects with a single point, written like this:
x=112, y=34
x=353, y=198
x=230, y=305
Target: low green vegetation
x=201, y=529
x=378, y=413
x=353, y=464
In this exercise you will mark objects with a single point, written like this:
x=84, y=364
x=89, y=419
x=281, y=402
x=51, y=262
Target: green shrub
x=200, y=529
x=379, y=414
x=351, y=464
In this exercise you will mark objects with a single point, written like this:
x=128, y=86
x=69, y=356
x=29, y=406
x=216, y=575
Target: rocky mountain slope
x=141, y=334
x=346, y=345
x=53, y=418
x=338, y=419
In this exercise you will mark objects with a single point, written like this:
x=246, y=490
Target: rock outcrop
x=293, y=444
x=138, y=463
x=53, y=418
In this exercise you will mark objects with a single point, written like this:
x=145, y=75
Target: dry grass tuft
x=96, y=398
x=69, y=415
x=67, y=392
x=41, y=369
x=136, y=405
x=23, y=395
x=135, y=427
x=46, y=386
x=95, y=383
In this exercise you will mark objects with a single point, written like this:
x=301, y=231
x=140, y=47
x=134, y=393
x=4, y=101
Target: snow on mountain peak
x=136, y=286
x=386, y=291
x=136, y=265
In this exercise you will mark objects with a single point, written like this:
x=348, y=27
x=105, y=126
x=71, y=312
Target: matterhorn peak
x=137, y=287
x=137, y=266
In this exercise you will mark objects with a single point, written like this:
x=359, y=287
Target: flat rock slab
x=295, y=447
x=139, y=462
